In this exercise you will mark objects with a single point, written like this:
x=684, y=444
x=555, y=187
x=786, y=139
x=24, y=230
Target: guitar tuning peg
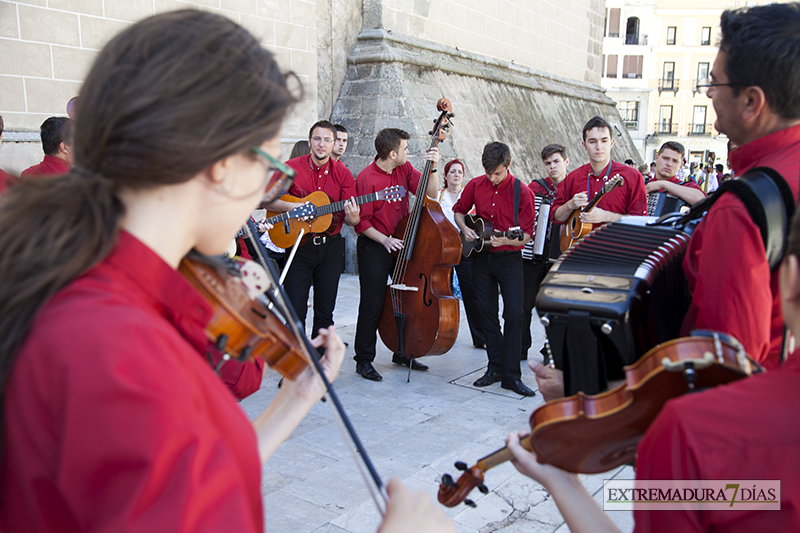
x=469, y=503
x=460, y=465
x=483, y=489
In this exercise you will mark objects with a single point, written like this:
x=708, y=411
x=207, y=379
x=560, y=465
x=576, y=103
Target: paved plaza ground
x=413, y=431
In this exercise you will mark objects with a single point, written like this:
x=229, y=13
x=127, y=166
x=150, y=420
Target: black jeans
x=490, y=269
x=375, y=265
x=533, y=273
x=470, y=300
x=321, y=266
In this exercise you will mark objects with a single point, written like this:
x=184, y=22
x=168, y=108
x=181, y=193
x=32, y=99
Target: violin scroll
x=451, y=493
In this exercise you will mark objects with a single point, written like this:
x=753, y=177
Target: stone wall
x=395, y=81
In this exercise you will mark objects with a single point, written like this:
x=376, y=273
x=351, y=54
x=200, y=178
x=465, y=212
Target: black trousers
x=375, y=265
x=470, y=300
x=533, y=273
x=490, y=269
x=321, y=266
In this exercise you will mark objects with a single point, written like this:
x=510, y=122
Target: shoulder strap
x=516, y=202
x=545, y=185
x=769, y=202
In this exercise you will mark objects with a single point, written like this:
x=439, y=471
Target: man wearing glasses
x=320, y=261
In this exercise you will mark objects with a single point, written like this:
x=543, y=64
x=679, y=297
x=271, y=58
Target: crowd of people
x=112, y=416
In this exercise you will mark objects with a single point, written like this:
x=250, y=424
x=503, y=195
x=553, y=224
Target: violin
x=592, y=434
x=242, y=326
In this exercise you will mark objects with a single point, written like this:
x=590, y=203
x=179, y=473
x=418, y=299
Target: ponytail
x=52, y=230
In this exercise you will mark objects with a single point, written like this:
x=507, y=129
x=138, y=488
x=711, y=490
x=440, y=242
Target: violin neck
x=502, y=455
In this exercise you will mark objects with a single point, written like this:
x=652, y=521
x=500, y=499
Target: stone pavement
x=413, y=431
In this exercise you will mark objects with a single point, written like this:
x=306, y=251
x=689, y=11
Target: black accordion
x=610, y=298
x=661, y=203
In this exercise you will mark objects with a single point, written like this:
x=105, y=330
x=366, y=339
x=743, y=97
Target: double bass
x=420, y=314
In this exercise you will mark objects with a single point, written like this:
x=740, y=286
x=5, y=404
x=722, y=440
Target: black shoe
x=367, y=371
x=402, y=360
x=488, y=378
x=519, y=387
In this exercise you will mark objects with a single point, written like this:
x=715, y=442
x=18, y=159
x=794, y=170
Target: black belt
x=319, y=240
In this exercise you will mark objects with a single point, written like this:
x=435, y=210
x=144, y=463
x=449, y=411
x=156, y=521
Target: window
x=629, y=112
x=702, y=73
x=668, y=76
x=632, y=66
x=672, y=31
x=699, y=120
x=632, y=31
x=705, y=36
x=664, y=119
x=611, y=71
x=613, y=22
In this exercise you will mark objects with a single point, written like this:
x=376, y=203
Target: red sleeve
x=364, y=186
x=413, y=176
x=527, y=211
x=243, y=379
x=637, y=201
x=467, y=199
x=692, y=185
x=665, y=452
x=737, y=301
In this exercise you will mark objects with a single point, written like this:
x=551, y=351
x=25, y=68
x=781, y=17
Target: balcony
x=668, y=86
x=640, y=40
x=699, y=129
x=631, y=124
x=666, y=128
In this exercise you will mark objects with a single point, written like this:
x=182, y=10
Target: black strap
x=516, y=202
x=546, y=186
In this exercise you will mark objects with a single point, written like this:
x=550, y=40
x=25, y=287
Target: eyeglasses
x=280, y=180
x=326, y=140
x=705, y=83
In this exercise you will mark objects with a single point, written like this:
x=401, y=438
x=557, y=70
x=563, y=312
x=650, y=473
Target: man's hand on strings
x=351, y=212
x=392, y=245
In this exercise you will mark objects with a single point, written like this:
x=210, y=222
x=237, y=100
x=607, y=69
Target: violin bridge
x=403, y=287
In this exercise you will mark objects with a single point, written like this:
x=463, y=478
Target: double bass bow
x=592, y=434
x=420, y=314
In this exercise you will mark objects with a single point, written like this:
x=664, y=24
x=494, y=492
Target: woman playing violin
x=743, y=430
x=112, y=418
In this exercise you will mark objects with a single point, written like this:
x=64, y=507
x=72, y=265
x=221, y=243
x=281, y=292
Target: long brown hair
x=165, y=99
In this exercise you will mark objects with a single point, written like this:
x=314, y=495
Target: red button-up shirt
x=628, y=199
x=113, y=418
x=725, y=263
x=384, y=216
x=496, y=204
x=6, y=180
x=745, y=430
x=333, y=178
x=689, y=183
x=50, y=166
x=536, y=188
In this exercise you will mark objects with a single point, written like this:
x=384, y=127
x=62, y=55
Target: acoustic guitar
x=485, y=233
x=573, y=229
x=316, y=215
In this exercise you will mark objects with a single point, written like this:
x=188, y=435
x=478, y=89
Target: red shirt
x=496, y=204
x=536, y=188
x=50, y=166
x=745, y=430
x=332, y=178
x=115, y=421
x=743, y=301
x=6, y=180
x=384, y=216
x=629, y=199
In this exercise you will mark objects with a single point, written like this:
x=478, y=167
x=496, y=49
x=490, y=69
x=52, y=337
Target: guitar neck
x=339, y=206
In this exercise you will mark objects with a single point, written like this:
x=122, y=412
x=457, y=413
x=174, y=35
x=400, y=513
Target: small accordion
x=545, y=245
x=610, y=298
x=661, y=203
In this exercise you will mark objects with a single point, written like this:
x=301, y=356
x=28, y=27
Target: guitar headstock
x=616, y=181
x=392, y=194
x=451, y=493
x=515, y=233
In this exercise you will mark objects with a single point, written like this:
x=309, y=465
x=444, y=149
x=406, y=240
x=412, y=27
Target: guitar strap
x=546, y=186
x=516, y=202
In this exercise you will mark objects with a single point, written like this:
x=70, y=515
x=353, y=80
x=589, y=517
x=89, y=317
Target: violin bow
x=278, y=297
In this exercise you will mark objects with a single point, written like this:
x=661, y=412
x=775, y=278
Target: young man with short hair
x=583, y=183
x=320, y=261
x=376, y=246
x=56, y=133
x=555, y=160
x=668, y=161
x=340, y=144
x=493, y=196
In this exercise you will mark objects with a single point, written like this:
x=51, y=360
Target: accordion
x=545, y=245
x=610, y=298
x=661, y=203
